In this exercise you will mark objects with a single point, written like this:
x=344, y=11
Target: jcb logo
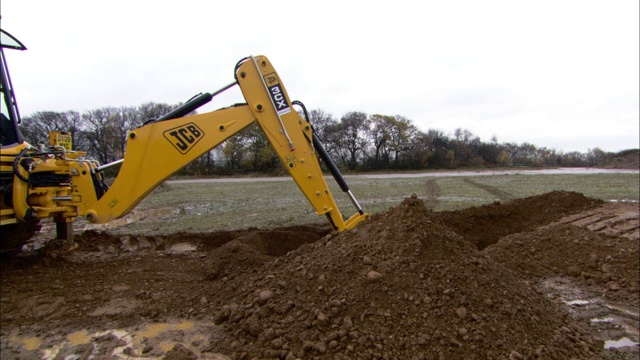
x=184, y=137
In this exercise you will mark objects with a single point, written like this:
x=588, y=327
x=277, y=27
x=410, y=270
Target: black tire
x=14, y=236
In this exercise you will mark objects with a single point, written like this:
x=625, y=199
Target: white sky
x=559, y=74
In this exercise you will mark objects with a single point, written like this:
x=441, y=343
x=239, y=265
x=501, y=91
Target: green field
x=212, y=206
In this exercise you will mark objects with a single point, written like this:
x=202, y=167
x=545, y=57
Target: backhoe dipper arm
x=159, y=149
x=290, y=136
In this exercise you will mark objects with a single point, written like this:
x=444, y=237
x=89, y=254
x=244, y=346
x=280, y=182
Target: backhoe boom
x=160, y=148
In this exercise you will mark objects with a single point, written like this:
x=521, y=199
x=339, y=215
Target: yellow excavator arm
x=161, y=147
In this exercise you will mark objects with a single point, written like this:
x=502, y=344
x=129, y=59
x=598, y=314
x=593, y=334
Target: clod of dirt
x=179, y=352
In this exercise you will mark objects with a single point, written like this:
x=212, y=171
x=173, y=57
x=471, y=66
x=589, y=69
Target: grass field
x=212, y=206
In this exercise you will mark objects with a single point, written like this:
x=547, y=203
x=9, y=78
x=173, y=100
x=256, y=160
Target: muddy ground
x=554, y=276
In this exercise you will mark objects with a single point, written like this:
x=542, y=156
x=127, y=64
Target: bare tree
x=465, y=146
x=401, y=133
x=37, y=126
x=379, y=136
x=260, y=154
x=153, y=111
x=353, y=138
x=233, y=151
x=433, y=148
x=596, y=156
x=321, y=121
x=104, y=133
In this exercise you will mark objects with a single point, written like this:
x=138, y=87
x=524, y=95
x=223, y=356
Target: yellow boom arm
x=157, y=150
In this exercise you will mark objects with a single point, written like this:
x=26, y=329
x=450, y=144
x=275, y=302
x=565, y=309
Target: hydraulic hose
x=16, y=162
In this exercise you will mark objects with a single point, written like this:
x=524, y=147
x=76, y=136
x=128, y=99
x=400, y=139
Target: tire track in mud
x=501, y=195
x=432, y=194
x=610, y=220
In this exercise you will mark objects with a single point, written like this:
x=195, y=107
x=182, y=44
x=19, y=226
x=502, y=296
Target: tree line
x=357, y=141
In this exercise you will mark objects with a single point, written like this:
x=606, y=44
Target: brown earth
x=551, y=276
x=627, y=159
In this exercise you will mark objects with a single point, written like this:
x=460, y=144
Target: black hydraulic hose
x=238, y=64
x=194, y=103
x=16, y=161
x=304, y=109
x=333, y=169
x=187, y=107
x=199, y=100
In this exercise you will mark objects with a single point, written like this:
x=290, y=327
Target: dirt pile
x=485, y=225
x=626, y=159
x=591, y=259
x=403, y=285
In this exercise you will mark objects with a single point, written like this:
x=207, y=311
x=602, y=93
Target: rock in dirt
x=374, y=275
x=179, y=352
x=264, y=296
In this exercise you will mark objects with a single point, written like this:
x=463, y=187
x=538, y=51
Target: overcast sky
x=558, y=74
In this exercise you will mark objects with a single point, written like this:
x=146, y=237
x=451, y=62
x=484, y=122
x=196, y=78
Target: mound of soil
x=485, y=225
x=627, y=159
x=401, y=286
x=567, y=250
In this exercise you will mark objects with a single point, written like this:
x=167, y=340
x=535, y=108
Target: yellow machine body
x=62, y=184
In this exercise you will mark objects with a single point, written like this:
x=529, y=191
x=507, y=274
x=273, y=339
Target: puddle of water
x=130, y=339
x=29, y=344
x=50, y=354
x=602, y=320
x=518, y=171
x=614, y=344
x=154, y=330
x=461, y=199
x=79, y=338
x=182, y=247
x=185, y=325
x=577, y=302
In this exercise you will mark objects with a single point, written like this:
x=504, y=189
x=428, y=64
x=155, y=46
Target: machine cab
x=10, y=135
